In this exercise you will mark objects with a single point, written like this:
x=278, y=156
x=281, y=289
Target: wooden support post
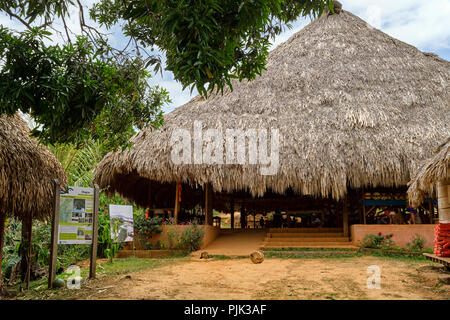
x=430, y=211
x=345, y=217
x=177, y=202
x=93, y=266
x=364, y=207
x=232, y=211
x=443, y=192
x=2, y=232
x=54, y=236
x=209, y=205
x=322, y=217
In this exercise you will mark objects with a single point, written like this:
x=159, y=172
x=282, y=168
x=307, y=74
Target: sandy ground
x=237, y=243
x=340, y=278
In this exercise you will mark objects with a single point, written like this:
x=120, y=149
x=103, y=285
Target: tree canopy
x=84, y=88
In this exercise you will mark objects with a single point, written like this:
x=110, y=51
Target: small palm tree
x=79, y=163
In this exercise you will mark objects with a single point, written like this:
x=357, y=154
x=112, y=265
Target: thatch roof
x=435, y=169
x=354, y=107
x=27, y=170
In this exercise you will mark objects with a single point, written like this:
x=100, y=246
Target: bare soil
x=330, y=278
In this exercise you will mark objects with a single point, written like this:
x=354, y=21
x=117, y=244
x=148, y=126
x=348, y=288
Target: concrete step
x=311, y=252
x=304, y=230
x=305, y=235
x=333, y=246
x=307, y=244
x=309, y=239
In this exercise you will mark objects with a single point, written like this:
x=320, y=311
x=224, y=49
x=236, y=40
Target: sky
x=423, y=24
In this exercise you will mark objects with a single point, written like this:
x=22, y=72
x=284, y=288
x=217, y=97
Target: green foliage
x=88, y=90
x=417, y=243
x=207, y=43
x=192, y=237
x=73, y=92
x=107, y=247
x=67, y=254
x=377, y=241
x=79, y=163
x=70, y=254
x=173, y=239
x=144, y=228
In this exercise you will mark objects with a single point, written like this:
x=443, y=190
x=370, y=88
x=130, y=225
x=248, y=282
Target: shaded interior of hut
x=186, y=204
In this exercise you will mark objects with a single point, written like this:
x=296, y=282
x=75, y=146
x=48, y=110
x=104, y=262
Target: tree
x=86, y=89
x=207, y=43
x=72, y=92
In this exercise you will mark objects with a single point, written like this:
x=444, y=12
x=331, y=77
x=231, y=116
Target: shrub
x=145, y=227
x=173, y=239
x=192, y=237
x=417, y=243
x=377, y=241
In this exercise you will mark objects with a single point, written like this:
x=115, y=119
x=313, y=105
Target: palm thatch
x=354, y=108
x=435, y=169
x=27, y=170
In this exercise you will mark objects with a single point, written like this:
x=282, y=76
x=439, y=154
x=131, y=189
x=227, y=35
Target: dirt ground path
x=237, y=243
x=342, y=278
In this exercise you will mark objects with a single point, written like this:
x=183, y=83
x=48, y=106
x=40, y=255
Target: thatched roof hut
x=436, y=169
x=27, y=170
x=354, y=107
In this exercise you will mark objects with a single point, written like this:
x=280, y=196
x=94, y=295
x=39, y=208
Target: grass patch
x=401, y=257
x=219, y=257
x=131, y=264
x=38, y=288
x=225, y=257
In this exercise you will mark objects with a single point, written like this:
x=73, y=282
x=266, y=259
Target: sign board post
x=54, y=237
x=93, y=266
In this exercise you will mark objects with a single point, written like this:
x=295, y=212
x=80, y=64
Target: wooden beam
x=93, y=265
x=209, y=205
x=364, y=206
x=54, y=236
x=177, y=202
x=345, y=217
x=232, y=211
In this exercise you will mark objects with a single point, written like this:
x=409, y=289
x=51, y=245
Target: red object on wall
x=442, y=240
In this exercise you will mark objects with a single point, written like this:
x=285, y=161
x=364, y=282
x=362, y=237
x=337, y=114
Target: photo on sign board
x=79, y=205
x=122, y=224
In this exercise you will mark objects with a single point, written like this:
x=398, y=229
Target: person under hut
x=261, y=222
x=413, y=216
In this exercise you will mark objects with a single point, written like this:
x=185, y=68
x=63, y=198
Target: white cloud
x=424, y=24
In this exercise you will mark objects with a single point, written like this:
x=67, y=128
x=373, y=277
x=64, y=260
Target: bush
x=192, y=237
x=378, y=241
x=417, y=243
x=189, y=240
